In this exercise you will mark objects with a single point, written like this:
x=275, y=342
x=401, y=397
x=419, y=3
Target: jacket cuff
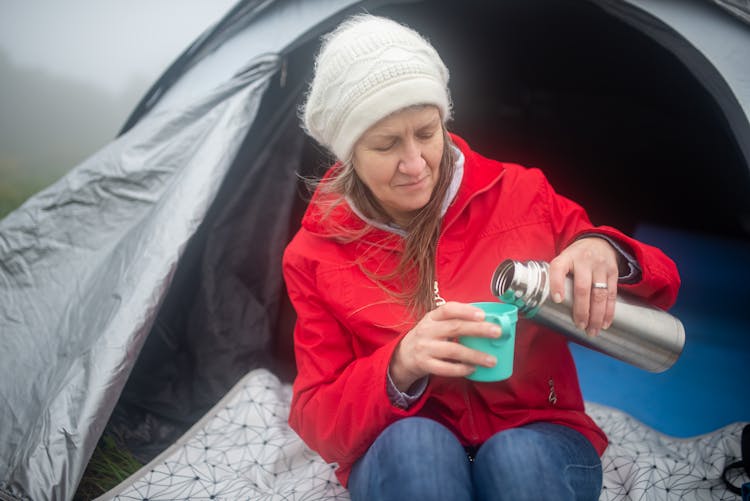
x=405, y=400
x=629, y=271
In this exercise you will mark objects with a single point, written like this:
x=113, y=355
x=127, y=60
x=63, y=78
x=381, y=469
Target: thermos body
x=641, y=334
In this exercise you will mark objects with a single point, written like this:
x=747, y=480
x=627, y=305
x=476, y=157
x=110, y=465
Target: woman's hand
x=431, y=348
x=593, y=263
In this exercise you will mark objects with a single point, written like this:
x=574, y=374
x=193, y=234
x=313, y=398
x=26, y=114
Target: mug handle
x=505, y=326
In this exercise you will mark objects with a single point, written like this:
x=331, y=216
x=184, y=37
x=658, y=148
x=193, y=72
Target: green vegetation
x=17, y=185
x=110, y=464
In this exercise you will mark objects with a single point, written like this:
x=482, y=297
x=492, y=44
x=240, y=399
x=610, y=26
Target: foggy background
x=72, y=71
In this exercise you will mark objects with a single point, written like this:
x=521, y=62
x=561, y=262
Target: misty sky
x=104, y=42
x=72, y=71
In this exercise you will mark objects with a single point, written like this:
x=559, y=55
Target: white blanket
x=243, y=449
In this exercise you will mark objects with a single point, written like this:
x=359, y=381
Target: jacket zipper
x=439, y=301
x=472, y=423
x=436, y=299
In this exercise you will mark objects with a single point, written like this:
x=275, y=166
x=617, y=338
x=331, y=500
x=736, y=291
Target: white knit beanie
x=368, y=68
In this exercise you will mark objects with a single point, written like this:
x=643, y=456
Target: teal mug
x=502, y=348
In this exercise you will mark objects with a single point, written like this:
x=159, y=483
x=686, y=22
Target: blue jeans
x=418, y=459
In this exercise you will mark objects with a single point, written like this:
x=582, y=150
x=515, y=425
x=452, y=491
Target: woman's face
x=399, y=157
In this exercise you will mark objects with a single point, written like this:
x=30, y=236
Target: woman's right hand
x=430, y=347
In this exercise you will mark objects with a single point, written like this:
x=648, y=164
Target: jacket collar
x=479, y=176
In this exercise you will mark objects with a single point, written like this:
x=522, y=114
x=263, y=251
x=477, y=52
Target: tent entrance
x=614, y=119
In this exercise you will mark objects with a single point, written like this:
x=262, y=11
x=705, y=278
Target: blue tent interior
x=707, y=387
x=618, y=102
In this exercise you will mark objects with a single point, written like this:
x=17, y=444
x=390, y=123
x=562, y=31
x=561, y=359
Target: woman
x=402, y=233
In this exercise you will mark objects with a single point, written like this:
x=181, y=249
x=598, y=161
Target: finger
x=609, y=315
x=581, y=298
x=452, y=328
x=481, y=329
x=456, y=310
x=599, y=301
x=558, y=271
x=465, y=355
x=448, y=368
x=458, y=361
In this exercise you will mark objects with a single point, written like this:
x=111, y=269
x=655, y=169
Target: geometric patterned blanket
x=244, y=449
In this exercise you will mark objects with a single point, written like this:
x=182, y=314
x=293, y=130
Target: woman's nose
x=412, y=162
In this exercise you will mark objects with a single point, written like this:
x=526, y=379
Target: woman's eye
x=383, y=147
x=426, y=135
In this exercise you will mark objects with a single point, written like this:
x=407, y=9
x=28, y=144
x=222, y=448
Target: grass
x=19, y=182
x=110, y=464
x=12, y=195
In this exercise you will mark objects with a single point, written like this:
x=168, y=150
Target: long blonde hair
x=415, y=271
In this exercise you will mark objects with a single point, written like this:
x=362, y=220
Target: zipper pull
x=552, y=398
x=439, y=301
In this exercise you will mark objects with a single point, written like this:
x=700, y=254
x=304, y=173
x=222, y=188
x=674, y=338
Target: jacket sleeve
x=340, y=402
x=660, y=279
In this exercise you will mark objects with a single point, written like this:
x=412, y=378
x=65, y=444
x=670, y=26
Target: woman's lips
x=414, y=184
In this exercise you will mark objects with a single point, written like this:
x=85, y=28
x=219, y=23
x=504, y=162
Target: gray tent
x=139, y=288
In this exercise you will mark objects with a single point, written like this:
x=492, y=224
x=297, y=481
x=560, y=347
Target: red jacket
x=348, y=327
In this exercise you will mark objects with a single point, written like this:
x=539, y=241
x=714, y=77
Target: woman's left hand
x=593, y=263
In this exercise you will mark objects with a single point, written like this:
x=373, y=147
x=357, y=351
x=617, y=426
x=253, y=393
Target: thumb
x=558, y=270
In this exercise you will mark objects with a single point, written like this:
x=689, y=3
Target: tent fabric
x=243, y=449
x=87, y=262
x=739, y=8
x=136, y=291
x=714, y=48
x=250, y=29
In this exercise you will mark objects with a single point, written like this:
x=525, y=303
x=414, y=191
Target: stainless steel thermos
x=641, y=335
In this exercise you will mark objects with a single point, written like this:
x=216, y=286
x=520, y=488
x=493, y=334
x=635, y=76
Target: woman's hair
x=415, y=273
x=368, y=68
